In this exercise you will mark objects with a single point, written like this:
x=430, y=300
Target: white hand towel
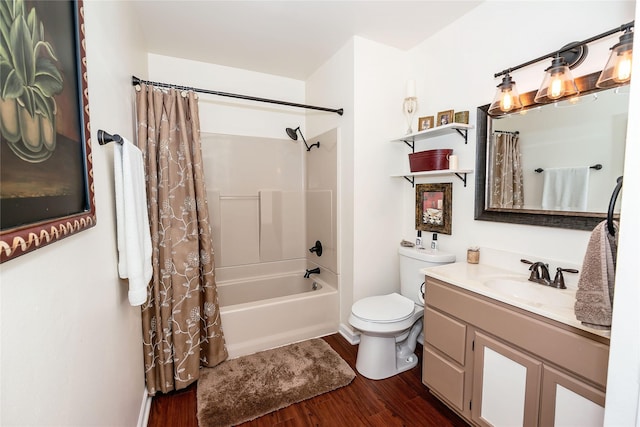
x=134, y=237
x=565, y=189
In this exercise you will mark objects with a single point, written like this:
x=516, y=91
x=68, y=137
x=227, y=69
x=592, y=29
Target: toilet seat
x=384, y=308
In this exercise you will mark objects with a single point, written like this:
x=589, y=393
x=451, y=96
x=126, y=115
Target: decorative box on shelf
x=430, y=160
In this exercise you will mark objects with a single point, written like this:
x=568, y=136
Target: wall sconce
x=618, y=68
x=558, y=82
x=507, y=98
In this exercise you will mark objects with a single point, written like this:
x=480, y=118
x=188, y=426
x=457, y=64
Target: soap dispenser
x=419, y=240
x=434, y=242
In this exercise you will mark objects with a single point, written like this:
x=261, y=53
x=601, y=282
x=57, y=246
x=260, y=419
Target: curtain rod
x=137, y=81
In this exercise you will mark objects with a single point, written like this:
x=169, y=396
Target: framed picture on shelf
x=444, y=118
x=45, y=157
x=433, y=207
x=461, y=117
x=425, y=123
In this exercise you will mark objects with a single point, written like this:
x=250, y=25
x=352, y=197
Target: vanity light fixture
x=618, y=68
x=507, y=98
x=558, y=82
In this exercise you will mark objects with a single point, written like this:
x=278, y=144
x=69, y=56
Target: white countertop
x=472, y=277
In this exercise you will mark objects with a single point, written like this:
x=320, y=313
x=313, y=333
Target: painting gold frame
x=47, y=188
x=444, y=118
x=433, y=207
x=425, y=123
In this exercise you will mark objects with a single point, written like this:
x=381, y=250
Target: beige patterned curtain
x=506, y=166
x=181, y=323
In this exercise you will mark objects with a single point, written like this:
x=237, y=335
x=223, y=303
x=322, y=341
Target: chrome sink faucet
x=540, y=274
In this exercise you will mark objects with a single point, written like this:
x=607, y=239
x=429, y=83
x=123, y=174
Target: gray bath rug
x=248, y=387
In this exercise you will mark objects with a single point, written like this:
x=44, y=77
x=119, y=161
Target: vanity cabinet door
x=567, y=401
x=506, y=384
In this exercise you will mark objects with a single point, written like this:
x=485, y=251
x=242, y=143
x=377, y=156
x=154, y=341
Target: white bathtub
x=269, y=311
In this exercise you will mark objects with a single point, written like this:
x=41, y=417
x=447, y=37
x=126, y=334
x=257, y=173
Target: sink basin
x=532, y=293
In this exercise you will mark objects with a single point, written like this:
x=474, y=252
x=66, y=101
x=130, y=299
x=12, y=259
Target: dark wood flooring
x=401, y=400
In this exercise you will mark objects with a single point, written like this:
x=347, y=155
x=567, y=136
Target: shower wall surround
x=270, y=200
x=255, y=193
x=322, y=203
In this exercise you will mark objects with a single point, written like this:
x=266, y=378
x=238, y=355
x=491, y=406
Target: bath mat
x=248, y=387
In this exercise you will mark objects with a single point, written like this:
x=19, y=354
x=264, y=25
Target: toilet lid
x=384, y=309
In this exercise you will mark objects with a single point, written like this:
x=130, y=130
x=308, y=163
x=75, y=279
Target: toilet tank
x=412, y=260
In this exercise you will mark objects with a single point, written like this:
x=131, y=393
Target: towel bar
x=105, y=138
x=612, y=204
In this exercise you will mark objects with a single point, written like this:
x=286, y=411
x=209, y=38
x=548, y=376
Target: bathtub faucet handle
x=317, y=248
x=312, y=271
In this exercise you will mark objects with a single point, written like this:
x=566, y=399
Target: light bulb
x=623, y=70
x=507, y=101
x=556, y=87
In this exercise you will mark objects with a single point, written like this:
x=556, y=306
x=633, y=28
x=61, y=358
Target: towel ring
x=612, y=204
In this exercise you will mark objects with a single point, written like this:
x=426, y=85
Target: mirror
x=555, y=142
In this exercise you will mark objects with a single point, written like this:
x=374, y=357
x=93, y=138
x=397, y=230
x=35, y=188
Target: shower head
x=293, y=134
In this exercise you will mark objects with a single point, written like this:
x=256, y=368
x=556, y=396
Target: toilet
x=390, y=324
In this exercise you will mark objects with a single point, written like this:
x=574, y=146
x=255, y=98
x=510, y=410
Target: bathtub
x=263, y=312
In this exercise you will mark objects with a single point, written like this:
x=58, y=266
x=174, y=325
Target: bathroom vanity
x=500, y=350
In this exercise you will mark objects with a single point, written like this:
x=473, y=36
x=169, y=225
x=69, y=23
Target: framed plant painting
x=433, y=207
x=46, y=178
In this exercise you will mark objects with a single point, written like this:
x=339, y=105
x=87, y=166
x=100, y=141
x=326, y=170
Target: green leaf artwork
x=30, y=81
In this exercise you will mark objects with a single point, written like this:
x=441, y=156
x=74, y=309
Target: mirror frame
x=571, y=220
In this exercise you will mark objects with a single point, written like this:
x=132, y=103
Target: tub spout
x=310, y=272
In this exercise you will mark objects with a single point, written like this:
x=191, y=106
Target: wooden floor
x=401, y=400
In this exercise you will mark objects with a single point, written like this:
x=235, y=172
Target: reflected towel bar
x=596, y=167
x=105, y=138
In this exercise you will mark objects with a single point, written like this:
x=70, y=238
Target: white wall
x=232, y=116
x=465, y=81
x=454, y=70
x=622, y=407
x=71, y=352
x=379, y=89
x=332, y=86
x=367, y=79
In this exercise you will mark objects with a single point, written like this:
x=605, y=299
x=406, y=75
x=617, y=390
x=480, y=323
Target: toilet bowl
x=390, y=324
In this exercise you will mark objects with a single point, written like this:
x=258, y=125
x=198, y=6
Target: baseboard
x=349, y=334
x=145, y=407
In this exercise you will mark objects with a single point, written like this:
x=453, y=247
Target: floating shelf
x=460, y=128
x=460, y=173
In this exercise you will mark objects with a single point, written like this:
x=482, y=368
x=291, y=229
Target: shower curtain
x=506, y=166
x=181, y=323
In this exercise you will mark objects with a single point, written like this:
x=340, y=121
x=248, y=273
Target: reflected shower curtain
x=181, y=324
x=506, y=166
